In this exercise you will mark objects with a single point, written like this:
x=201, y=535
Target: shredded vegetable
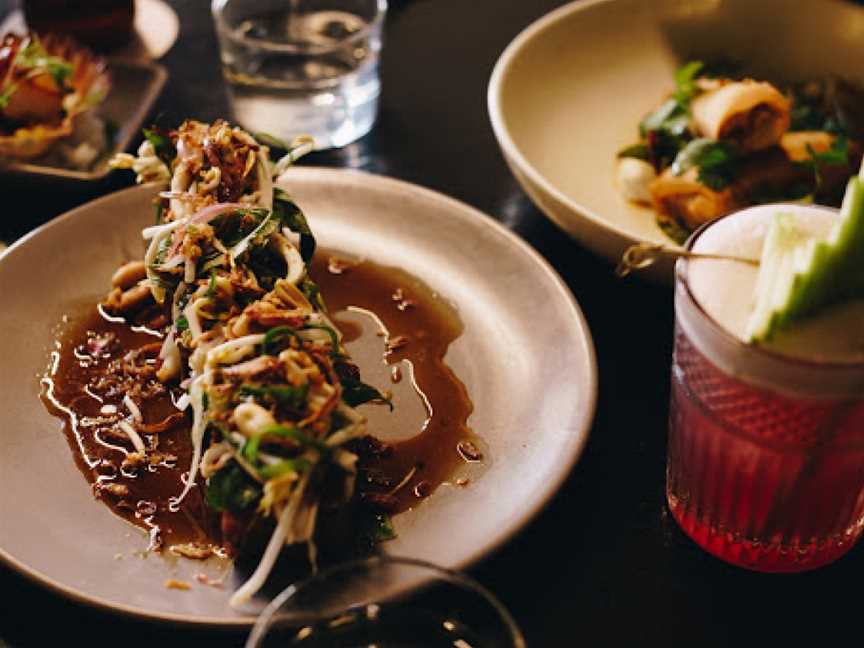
x=271, y=410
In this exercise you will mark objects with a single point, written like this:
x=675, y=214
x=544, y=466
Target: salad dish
x=568, y=93
x=49, y=87
x=723, y=141
x=442, y=504
x=235, y=331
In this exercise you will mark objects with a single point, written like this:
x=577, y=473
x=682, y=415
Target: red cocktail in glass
x=766, y=450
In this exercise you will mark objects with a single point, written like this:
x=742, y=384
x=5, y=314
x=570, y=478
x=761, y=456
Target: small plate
x=569, y=91
x=135, y=86
x=525, y=356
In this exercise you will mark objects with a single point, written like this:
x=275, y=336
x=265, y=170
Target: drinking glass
x=302, y=67
x=387, y=602
x=766, y=451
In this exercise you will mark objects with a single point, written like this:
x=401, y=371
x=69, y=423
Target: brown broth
x=407, y=308
x=72, y=386
x=390, y=297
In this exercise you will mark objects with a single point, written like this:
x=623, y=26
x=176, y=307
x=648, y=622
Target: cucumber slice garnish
x=800, y=275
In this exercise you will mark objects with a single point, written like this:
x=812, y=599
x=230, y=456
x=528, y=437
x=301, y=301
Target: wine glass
x=386, y=602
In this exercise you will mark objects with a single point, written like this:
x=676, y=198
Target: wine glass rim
x=458, y=578
x=217, y=8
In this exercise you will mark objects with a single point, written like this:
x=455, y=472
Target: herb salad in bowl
x=568, y=93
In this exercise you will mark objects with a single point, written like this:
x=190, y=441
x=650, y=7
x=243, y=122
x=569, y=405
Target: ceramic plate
x=526, y=358
x=568, y=93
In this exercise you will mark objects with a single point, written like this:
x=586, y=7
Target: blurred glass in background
x=298, y=67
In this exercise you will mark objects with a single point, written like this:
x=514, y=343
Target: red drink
x=766, y=450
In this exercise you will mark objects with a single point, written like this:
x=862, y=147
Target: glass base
x=770, y=557
x=333, y=118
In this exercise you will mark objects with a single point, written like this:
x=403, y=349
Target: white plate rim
x=455, y=209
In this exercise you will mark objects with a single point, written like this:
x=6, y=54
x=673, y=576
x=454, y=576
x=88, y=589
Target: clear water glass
x=386, y=602
x=298, y=67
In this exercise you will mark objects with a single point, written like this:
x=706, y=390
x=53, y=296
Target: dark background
x=604, y=564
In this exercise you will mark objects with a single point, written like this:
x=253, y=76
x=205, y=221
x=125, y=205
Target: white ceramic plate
x=526, y=357
x=570, y=90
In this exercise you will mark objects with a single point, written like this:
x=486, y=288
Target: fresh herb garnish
x=685, y=82
x=671, y=118
x=283, y=467
x=282, y=395
x=836, y=155
x=638, y=151
x=715, y=162
x=6, y=95
x=278, y=147
x=182, y=324
x=33, y=56
x=231, y=489
x=274, y=339
x=311, y=291
x=673, y=229
x=673, y=115
x=211, y=285
x=162, y=144
x=356, y=392
x=290, y=215
x=380, y=528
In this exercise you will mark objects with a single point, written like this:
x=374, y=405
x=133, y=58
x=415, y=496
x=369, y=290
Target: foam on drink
x=725, y=289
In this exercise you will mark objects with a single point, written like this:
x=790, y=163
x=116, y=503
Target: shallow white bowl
x=570, y=90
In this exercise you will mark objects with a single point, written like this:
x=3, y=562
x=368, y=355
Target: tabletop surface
x=604, y=564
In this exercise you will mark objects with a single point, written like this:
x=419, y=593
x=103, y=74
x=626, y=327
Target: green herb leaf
x=211, y=285
x=670, y=118
x=162, y=144
x=356, y=392
x=290, y=215
x=181, y=323
x=274, y=144
x=715, y=161
x=673, y=115
x=281, y=395
x=685, y=82
x=836, y=155
x=638, y=151
x=34, y=56
x=274, y=339
x=283, y=467
x=310, y=289
x=373, y=527
x=382, y=528
x=250, y=449
x=673, y=229
x=231, y=489
x=6, y=95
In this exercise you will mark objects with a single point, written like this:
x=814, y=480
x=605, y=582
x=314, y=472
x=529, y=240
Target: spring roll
x=753, y=115
x=688, y=201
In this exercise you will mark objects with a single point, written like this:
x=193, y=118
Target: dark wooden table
x=604, y=564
